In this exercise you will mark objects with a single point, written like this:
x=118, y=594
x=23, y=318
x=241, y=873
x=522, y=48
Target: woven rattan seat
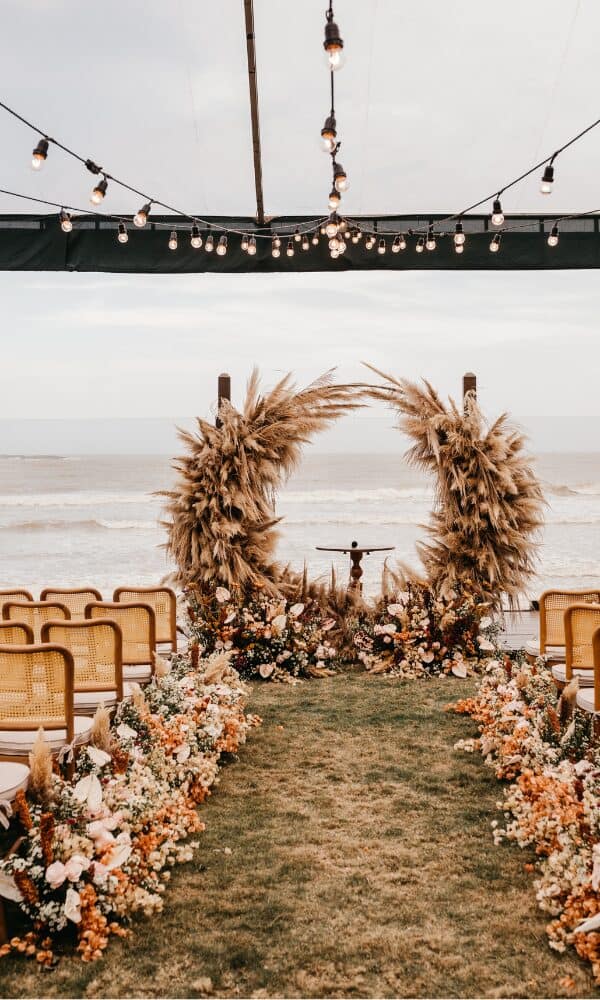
x=581, y=622
x=553, y=604
x=13, y=595
x=589, y=698
x=75, y=600
x=163, y=602
x=34, y=613
x=96, y=648
x=36, y=690
x=15, y=633
x=138, y=630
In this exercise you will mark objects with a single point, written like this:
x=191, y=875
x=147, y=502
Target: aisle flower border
x=543, y=746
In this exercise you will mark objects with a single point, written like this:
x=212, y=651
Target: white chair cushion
x=585, y=700
x=88, y=701
x=13, y=777
x=532, y=647
x=19, y=742
x=138, y=673
x=586, y=677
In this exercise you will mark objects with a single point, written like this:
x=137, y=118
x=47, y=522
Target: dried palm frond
x=40, y=767
x=100, y=735
x=488, y=503
x=567, y=701
x=221, y=522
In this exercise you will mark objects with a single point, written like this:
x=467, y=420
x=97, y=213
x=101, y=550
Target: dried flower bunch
x=484, y=529
x=221, y=516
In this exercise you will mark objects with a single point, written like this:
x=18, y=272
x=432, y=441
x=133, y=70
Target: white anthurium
x=591, y=924
x=183, y=754
x=97, y=756
x=395, y=609
x=117, y=856
x=296, y=610
x=278, y=624
x=266, y=669
x=485, y=644
x=88, y=789
x=126, y=732
x=222, y=595
x=485, y=622
x=230, y=618
x=596, y=868
x=459, y=668
x=72, y=904
x=9, y=888
x=328, y=624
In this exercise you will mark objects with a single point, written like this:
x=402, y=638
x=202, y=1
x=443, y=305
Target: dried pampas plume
x=217, y=667
x=488, y=503
x=40, y=766
x=221, y=517
x=100, y=735
x=162, y=667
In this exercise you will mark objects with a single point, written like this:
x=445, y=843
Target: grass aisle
x=361, y=864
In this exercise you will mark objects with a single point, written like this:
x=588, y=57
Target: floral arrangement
x=266, y=636
x=419, y=633
x=542, y=744
x=95, y=850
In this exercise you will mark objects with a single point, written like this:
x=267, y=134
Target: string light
x=315, y=239
x=497, y=213
x=334, y=243
x=332, y=225
x=547, y=179
x=333, y=44
x=328, y=134
x=342, y=246
x=369, y=242
x=209, y=246
x=305, y=242
x=65, y=221
x=553, y=237
x=244, y=243
x=420, y=245
x=276, y=247
x=99, y=191
x=430, y=243
x=290, y=248
x=495, y=244
x=340, y=179
x=333, y=200
x=297, y=236
x=382, y=247
x=140, y=218
x=459, y=247
x=123, y=235
x=173, y=240
x=252, y=246
x=39, y=154
x=222, y=246
x=396, y=245
x=459, y=236
x=195, y=238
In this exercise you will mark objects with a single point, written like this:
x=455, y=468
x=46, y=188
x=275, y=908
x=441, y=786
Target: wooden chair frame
x=44, y=605
x=584, y=606
x=172, y=608
x=23, y=726
x=92, y=623
x=5, y=624
x=596, y=653
x=543, y=620
x=107, y=606
x=57, y=592
x=14, y=595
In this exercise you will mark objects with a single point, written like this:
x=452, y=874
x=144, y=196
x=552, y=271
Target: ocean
x=75, y=520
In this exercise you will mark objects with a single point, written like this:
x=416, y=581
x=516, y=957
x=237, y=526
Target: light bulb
x=369, y=242
x=342, y=247
x=430, y=243
x=222, y=246
x=99, y=191
x=495, y=244
x=65, y=221
x=315, y=239
x=244, y=243
x=196, y=239
x=420, y=245
x=334, y=254
x=340, y=179
x=290, y=248
x=332, y=226
x=333, y=45
x=140, y=218
x=328, y=135
x=396, y=245
x=123, y=235
x=459, y=236
x=547, y=180
x=209, y=246
x=553, y=237
x=297, y=236
x=305, y=242
x=355, y=235
x=252, y=246
x=173, y=240
x=40, y=153
x=333, y=200
x=382, y=247
x=275, y=247
x=277, y=242
x=497, y=213
x=459, y=247
x=402, y=242
x=334, y=243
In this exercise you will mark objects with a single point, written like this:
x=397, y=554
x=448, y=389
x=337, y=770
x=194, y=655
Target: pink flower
x=222, y=595
x=75, y=866
x=56, y=873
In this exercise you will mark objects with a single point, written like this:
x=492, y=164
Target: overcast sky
x=438, y=104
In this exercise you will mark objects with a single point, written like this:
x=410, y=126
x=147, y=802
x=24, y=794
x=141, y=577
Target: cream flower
x=222, y=595
x=56, y=874
x=71, y=908
x=266, y=669
x=296, y=610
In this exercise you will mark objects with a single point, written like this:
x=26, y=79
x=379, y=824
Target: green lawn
x=361, y=864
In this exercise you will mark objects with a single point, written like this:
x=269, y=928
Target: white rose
x=71, y=908
x=266, y=669
x=56, y=874
x=222, y=595
x=296, y=610
x=395, y=609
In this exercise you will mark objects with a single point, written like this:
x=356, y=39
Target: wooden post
x=223, y=392
x=469, y=386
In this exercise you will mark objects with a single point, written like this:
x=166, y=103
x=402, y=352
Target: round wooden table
x=356, y=554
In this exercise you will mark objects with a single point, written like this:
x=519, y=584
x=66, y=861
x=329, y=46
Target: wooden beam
x=251, y=51
x=469, y=386
x=223, y=392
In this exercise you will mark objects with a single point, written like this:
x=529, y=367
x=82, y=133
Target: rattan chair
x=580, y=623
x=588, y=699
x=97, y=650
x=13, y=595
x=36, y=690
x=16, y=634
x=75, y=600
x=553, y=604
x=34, y=613
x=163, y=602
x=138, y=628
